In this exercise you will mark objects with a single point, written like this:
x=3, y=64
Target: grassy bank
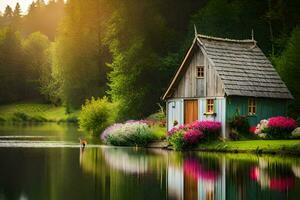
x=254, y=146
x=35, y=112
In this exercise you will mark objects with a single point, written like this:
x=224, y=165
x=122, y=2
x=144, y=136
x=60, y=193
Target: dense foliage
x=129, y=50
x=288, y=67
x=96, y=115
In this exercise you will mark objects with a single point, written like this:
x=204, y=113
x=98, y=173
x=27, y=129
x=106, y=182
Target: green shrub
x=2, y=119
x=96, y=115
x=158, y=132
x=20, y=117
x=72, y=119
x=158, y=118
x=37, y=118
x=132, y=133
x=177, y=140
x=240, y=124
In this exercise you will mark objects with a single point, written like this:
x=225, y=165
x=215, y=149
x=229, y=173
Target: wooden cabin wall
x=214, y=87
x=265, y=108
x=219, y=110
x=175, y=112
x=192, y=87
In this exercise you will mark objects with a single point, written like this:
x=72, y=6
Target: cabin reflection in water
x=160, y=174
x=196, y=179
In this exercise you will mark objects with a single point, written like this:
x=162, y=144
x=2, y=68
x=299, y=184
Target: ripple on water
x=37, y=142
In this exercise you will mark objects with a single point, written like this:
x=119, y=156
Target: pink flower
x=175, y=129
x=252, y=129
x=282, y=123
x=207, y=126
x=192, y=136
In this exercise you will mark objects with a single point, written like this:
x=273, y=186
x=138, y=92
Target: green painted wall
x=265, y=108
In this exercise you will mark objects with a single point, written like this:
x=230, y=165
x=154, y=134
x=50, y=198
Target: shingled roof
x=242, y=67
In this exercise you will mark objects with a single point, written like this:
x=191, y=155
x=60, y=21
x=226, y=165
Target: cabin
x=222, y=77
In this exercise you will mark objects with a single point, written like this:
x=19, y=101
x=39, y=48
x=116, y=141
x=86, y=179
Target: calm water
x=54, y=167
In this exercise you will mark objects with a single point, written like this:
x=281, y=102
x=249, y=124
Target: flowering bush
x=128, y=134
x=175, y=129
x=211, y=129
x=280, y=127
x=192, y=136
x=261, y=127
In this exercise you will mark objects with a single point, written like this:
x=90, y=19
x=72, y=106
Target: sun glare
x=12, y=3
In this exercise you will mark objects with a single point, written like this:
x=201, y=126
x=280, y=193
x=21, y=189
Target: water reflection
x=127, y=160
x=209, y=176
x=273, y=176
x=70, y=172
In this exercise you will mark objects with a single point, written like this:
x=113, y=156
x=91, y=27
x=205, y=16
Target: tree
x=288, y=66
x=11, y=66
x=43, y=18
x=135, y=77
x=17, y=11
x=8, y=13
x=38, y=68
x=79, y=57
x=16, y=20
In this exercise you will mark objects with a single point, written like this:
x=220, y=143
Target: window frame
x=200, y=71
x=210, y=106
x=252, y=106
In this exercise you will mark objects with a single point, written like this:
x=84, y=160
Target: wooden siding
x=219, y=109
x=190, y=86
x=174, y=112
x=265, y=108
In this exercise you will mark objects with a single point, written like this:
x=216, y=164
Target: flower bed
x=276, y=127
x=191, y=134
x=131, y=133
x=211, y=129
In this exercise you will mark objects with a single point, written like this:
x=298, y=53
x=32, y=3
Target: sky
x=23, y=3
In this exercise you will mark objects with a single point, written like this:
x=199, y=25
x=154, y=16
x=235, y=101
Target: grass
x=254, y=146
x=36, y=111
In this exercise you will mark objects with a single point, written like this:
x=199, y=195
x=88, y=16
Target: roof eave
x=175, y=77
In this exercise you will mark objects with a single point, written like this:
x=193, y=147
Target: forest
x=63, y=53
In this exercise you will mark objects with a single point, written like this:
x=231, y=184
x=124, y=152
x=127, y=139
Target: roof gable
x=242, y=67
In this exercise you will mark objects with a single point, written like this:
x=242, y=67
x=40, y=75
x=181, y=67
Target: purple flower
x=108, y=130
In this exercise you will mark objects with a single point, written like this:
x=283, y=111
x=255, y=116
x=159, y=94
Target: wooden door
x=190, y=111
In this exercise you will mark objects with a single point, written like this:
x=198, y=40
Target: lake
x=46, y=162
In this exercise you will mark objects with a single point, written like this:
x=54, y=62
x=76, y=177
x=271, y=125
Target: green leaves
x=97, y=114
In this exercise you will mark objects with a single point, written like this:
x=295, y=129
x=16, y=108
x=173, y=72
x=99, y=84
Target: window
x=209, y=105
x=200, y=72
x=252, y=106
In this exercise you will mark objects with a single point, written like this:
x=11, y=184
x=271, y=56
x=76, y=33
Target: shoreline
x=291, y=147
